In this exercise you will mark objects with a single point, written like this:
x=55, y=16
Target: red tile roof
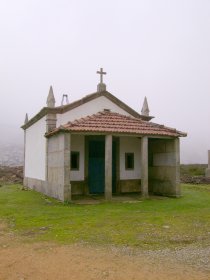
x=110, y=122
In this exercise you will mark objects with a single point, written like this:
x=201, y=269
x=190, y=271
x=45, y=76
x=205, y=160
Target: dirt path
x=37, y=261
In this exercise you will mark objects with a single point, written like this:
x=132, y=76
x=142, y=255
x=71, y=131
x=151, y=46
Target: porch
x=95, y=165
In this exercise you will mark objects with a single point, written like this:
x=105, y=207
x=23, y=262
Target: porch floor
x=99, y=198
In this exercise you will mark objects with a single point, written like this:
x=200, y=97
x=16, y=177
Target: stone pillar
x=108, y=167
x=208, y=168
x=51, y=115
x=50, y=122
x=67, y=153
x=144, y=166
x=58, y=175
x=86, y=188
x=177, y=167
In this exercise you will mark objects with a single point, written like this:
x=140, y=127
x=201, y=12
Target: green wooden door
x=96, y=166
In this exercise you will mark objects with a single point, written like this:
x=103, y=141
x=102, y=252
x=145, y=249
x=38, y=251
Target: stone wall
x=35, y=150
x=37, y=185
x=58, y=166
x=79, y=188
x=164, y=167
x=129, y=186
x=123, y=186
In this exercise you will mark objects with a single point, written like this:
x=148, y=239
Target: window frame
x=77, y=154
x=126, y=161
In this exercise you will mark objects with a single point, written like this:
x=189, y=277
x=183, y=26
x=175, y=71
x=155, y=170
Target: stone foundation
x=36, y=184
x=129, y=186
x=124, y=186
x=79, y=188
x=163, y=188
x=49, y=189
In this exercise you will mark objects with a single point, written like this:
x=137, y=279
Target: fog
x=154, y=48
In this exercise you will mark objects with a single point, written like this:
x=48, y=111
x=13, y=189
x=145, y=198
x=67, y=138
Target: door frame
x=89, y=138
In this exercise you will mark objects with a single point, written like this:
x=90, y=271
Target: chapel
x=99, y=145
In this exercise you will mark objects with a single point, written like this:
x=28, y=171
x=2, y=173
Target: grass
x=193, y=169
x=152, y=224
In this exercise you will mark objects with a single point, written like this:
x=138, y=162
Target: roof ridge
x=65, y=108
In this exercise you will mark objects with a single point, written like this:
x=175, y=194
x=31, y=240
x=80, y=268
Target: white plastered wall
x=35, y=150
x=130, y=145
x=78, y=145
x=89, y=108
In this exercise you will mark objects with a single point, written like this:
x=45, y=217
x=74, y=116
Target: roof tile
x=106, y=122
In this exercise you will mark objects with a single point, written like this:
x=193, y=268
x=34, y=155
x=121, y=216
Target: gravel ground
x=47, y=261
x=193, y=256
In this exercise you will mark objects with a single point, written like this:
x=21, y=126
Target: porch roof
x=111, y=122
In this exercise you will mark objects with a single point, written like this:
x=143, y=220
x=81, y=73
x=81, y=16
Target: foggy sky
x=154, y=48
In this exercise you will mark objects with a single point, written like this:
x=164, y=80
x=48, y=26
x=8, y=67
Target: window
x=129, y=161
x=74, y=160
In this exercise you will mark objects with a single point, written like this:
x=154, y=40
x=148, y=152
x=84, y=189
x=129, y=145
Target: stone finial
x=51, y=98
x=145, y=108
x=26, y=119
x=101, y=86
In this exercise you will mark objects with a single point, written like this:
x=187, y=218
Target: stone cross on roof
x=101, y=75
x=101, y=86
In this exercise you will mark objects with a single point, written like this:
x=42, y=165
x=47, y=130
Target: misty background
x=154, y=48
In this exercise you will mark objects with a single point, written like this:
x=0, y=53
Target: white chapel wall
x=130, y=145
x=89, y=108
x=35, y=150
x=78, y=145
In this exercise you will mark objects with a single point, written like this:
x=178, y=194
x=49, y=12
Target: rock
x=187, y=179
x=166, y=227
x=9, y=174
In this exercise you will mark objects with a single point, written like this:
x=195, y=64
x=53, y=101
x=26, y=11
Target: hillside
x=11, y=154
